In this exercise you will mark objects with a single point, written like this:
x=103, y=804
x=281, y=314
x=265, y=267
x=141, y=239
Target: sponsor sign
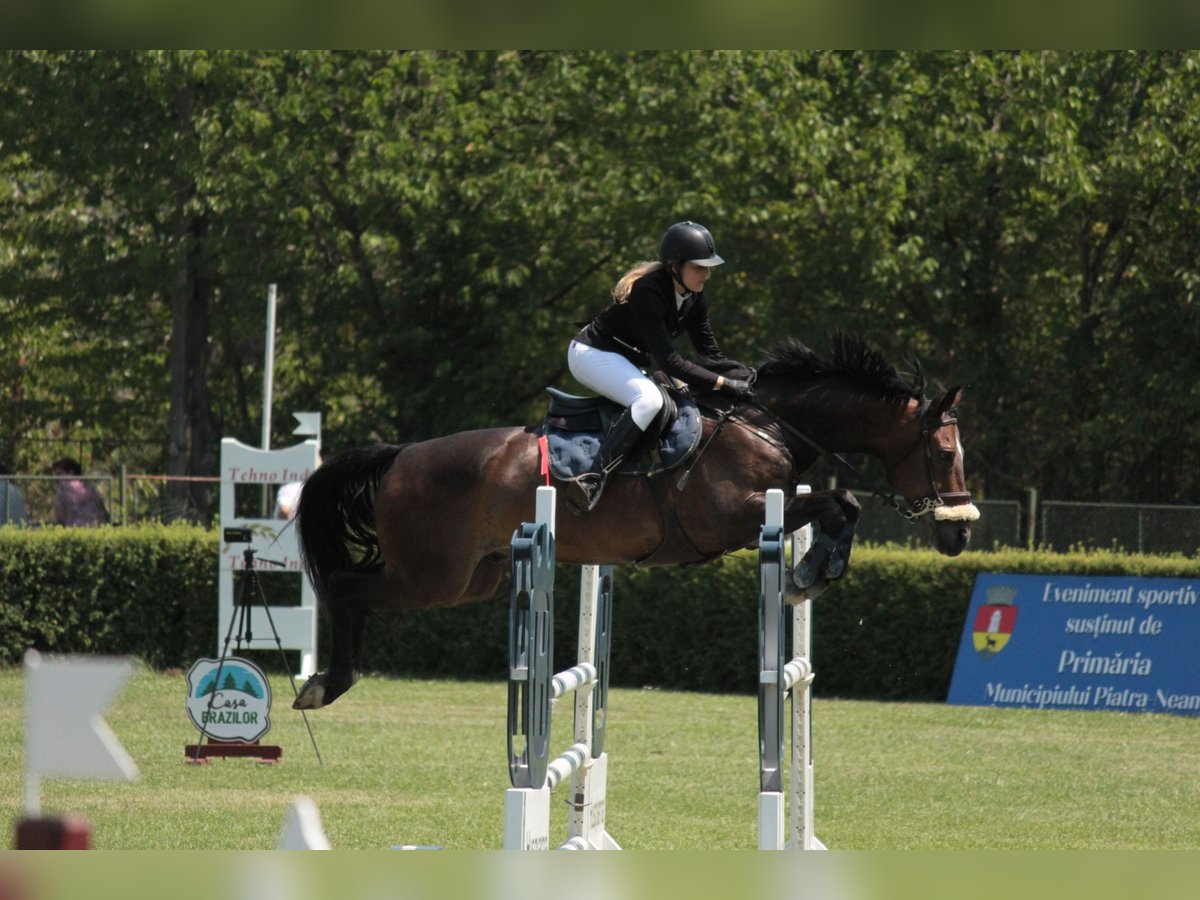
x=1073, y=642
x=229, y=699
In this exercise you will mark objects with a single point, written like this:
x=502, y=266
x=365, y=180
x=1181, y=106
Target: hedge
x=149, y=591
x=888, y=630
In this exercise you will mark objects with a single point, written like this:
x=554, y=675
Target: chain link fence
x=1058, y=525
x=1132, y=527
x=1052, y=524
x=1000, y=525
x=163, y=498
x=28, y=500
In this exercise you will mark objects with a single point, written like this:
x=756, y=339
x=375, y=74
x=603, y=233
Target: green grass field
x=426, y=763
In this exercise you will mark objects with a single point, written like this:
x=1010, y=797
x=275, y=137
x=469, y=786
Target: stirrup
x=591, y=485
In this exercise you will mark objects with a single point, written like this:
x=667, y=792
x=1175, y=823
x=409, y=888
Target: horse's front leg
x=834, y=516
x=831, y=511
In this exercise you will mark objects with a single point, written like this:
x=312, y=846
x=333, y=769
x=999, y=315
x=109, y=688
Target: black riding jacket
x=646, y=324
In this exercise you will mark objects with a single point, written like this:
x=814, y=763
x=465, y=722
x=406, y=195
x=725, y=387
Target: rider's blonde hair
x=621, y=289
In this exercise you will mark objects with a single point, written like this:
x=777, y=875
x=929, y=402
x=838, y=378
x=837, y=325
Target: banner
x=1070, y=642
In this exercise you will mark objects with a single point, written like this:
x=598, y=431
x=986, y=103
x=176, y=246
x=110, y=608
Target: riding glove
x=738, y=388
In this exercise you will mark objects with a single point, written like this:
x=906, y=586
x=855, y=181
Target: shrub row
x=888, y=630
x=148, y=591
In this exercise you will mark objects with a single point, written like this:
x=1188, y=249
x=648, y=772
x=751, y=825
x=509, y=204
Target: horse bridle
x=911, y=512
x=934, y=498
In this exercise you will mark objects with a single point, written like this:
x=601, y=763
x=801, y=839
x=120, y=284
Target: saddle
x=575, y=426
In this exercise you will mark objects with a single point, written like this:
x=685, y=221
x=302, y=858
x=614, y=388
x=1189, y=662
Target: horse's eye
x=946, y=455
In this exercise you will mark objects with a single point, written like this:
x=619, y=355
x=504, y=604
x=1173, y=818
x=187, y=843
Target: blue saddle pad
x=572, y=452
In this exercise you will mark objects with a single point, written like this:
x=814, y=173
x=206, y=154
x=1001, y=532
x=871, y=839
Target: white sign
x=229, y=699
x=271, y=539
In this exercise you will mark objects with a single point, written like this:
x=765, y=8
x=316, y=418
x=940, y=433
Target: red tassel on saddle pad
x=544, y=453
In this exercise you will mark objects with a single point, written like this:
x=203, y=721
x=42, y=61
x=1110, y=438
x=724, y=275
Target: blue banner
x=1069, y=642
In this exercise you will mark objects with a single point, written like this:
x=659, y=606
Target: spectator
x=12, y=504
x=76, y=503
x=288, y=499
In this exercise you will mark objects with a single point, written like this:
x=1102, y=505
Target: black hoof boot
x=811, y=569
x=839, y=558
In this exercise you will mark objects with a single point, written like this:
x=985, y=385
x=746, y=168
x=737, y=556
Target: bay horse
x=430, y=523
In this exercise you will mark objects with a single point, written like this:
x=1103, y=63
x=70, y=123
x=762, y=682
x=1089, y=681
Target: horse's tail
x=336, y=519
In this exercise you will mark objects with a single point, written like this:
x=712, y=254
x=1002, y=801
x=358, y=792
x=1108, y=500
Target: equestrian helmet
x=688, y=242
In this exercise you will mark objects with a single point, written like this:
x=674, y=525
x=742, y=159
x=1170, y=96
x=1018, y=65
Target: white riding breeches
x=613, y=376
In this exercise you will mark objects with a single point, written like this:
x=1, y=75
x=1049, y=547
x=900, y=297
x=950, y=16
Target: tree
x=437, y=222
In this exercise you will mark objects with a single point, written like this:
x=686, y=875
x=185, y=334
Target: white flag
x=65, y=733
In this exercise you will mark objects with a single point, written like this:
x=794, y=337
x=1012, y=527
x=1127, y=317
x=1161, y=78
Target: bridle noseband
x=934, y=498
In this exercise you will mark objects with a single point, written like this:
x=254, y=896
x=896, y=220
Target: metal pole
x=268, y=368
x=1033, y=518
x=265, y=504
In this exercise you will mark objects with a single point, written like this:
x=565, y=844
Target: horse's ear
x=951, y=399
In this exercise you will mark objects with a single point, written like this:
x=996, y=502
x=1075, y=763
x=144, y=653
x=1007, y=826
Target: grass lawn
x=418, y=762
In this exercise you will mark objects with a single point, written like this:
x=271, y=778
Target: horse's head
x=926, y=466
x=855, y=400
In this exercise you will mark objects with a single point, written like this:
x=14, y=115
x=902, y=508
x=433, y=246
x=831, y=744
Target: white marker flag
x=310, y=423
x=65, y=733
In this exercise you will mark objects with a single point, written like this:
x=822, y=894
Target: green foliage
x=888, y=631
x=148, y=591
x=437, y=221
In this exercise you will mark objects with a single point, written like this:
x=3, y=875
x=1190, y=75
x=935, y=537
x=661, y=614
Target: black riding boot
x=619, y=441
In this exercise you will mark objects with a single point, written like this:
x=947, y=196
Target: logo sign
x=1073, y=642
x=229, y=699
x=995, y=620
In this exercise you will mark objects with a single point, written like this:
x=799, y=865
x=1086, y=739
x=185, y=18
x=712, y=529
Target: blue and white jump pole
x=776, y=680
x=532, y=689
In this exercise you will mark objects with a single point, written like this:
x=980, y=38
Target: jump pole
x=776, y=680
x=532, y=690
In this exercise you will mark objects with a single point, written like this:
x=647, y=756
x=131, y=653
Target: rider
x=653, y=303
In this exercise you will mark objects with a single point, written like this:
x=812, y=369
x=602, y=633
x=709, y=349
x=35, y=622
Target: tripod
x=249, y=589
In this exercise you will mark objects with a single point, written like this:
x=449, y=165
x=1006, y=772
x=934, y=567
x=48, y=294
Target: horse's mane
x=850, y=359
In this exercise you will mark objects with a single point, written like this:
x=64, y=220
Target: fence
x=1136, y=528
x=29, y=499
x=1052, y=524
x=1001, y=524
x=128, y=499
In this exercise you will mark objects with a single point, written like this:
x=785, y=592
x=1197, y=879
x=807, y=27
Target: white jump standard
x=532, y=688
x=776, y=679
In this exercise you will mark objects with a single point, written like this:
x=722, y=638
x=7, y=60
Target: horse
x=430, y=523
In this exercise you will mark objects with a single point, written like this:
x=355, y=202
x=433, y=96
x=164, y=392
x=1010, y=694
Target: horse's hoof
x=796, y=595
x=312, y=695
x=836, y=566
x=839, y=559
x=812, y=566
x=817, y=589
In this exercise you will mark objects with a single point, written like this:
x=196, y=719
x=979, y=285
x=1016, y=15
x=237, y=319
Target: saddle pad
x=572, y=452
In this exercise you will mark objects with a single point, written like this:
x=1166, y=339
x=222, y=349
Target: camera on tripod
x=238, y=535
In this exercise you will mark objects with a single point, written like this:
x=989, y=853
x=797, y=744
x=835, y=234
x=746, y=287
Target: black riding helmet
x=688, y=242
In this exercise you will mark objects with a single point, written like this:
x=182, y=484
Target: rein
x=910, y=512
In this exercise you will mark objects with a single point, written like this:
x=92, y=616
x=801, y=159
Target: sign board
x=1085, y=643
x=229, y=699
x=271, y=539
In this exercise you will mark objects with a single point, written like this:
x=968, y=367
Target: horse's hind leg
x=486, y=579
x=351, y=594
